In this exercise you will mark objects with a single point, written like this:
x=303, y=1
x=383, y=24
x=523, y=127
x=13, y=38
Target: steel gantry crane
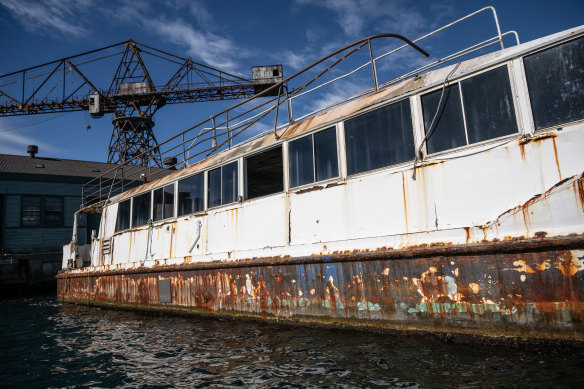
x=132, y=96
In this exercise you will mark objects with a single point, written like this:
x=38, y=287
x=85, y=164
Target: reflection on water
x=46, y=344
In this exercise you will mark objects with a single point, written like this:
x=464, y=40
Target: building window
x=31, y=211
x=53, y=212
x=556, y=84
x=313, y=156
x=223, y=185
x=164, y=202
x=191, y=191
x=380, y=138
x=123, y=217
x=141, y=210
x=42, y=211
x=264, y=173
x=489, y=113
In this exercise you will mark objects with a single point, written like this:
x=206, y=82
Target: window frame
x=172, y=184
x=413, y=108
x=42, y=211
x=208, y=186
x=255, y=153
x=529, y=110
x=340, y=172
x=204, y=208
x=516, y=106
x=116, y=231
x=133, y=208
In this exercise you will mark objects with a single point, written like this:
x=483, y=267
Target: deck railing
x=222, y=130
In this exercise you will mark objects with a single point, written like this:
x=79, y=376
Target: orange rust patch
x=467, y=231
x=540, y=234
x=522, y=150
x=537, y=138
x=557, y=160
x=579, y=187
x=569, y=266
x=474, y=287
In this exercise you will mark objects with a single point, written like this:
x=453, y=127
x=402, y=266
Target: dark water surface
x=46, y=344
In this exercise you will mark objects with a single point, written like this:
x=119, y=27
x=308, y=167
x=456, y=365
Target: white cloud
x=334, y=93
x=11, y=143
x=212, y=49
x=58, y=17
x=353, y=16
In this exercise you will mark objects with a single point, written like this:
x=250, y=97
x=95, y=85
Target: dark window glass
x=488, y=105
x=214, y=187
x=448, y=126
x=380, y=138
x=264, y=173
x=53, y=211
x=223, y=185
x=157, y=204
x=123, y=218
x=229, y=183
x=301, y=163
x=31, y=211
x=190, y=194
x=168, y=201
x=141, y=210
x=326, y=164
x=555, y=78
x=163, y=202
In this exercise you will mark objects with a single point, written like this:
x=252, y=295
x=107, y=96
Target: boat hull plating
x=529, y=288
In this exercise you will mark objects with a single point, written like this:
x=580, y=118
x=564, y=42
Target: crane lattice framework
x=132, y=96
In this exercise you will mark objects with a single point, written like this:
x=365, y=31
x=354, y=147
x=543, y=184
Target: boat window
x=123, y=218
x=326, y=163
x=301, y=161
x=164, y=202
x=488, y=105
x=264, y=173
x=448, y=129
x=489, y=113
x=191, y=194
x=141, y=210
x=223, y=185
x=555, y=83
x=313, y=155
x=380, y=138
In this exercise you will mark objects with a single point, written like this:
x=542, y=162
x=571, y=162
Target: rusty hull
x=535, y=294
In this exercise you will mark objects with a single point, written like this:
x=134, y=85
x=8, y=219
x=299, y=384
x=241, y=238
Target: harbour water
x=47, y=344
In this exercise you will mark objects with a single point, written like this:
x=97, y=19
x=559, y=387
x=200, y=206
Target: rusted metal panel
x=540, y=291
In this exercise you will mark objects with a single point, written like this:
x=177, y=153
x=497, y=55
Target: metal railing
x=220, y=131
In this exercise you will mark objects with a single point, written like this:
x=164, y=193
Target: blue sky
x=233, y=36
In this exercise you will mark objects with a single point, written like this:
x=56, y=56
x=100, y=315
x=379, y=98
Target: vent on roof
x=39, y=165
x=32, y=150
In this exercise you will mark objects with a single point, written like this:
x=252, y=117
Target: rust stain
x=540, y=234
x=467, y=231
x=537, y=138
x=522, y=151
x=311, y=189
x=556, y=155
x=579, y=189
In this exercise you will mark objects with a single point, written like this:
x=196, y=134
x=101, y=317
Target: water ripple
x=46, y=344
